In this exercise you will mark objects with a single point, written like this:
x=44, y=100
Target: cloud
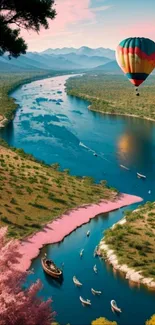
x=102, y=8
x=72, y=16
x=69, y=13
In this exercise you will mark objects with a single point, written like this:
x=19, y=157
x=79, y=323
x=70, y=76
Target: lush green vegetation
x=114, y=94
x=134, y=241
x=32, y=193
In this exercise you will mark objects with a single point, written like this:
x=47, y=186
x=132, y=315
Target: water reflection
x=54, y=282
x=135, y=144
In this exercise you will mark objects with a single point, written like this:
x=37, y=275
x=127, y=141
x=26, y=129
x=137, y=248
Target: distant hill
x=109, y=67
x=37, y=62
x=58, y=59
x=84, y=50
x=64, y=50
x=85, y=61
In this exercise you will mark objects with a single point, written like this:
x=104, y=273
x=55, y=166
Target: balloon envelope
x=136, y=57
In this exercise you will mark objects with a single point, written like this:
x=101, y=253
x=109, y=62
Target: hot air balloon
x=136, y=57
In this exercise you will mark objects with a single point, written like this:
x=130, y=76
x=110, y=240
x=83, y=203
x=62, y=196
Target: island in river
x=129, y=245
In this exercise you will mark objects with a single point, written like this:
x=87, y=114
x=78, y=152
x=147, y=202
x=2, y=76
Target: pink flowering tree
x=17, y=306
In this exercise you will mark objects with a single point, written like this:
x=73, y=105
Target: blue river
x=55, y=127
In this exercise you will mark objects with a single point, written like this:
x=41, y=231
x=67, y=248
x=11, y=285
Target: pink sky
x=93, y=23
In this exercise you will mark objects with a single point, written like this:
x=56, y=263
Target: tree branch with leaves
x=26, y=14
x=19, y=305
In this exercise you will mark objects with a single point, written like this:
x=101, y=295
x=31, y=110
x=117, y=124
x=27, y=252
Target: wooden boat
x=81, y=252
x=95, y=268
x=88, y=233
x=114, y=306
x=95, y=292
x=77, y=282
x=122, y=166
x=50, y=268
x=140, y=175
x=85, y=302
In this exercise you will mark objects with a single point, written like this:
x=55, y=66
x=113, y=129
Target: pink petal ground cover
x=55, y=231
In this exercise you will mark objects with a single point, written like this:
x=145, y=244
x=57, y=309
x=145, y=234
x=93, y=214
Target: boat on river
x=77, y=282
x=85, y=302
x=122, y=166
x=95, y=268
x=115, y=307
x=81, y=252
x=141, y=175
x=88, y=233
x=50, y=268
x=95, y=292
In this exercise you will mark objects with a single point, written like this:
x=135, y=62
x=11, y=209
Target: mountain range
x=84, y=50
x=84, y=58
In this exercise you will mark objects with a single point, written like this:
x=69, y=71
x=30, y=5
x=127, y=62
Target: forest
x=114, y=94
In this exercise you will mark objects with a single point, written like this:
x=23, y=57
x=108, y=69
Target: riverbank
x=57, y=230
x=114, y=95
x=129, y=246
x=27, y=203
x=9, y=82
x=91, y=108
x=3, y=121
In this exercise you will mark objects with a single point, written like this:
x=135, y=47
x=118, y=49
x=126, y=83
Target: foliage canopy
x=27, y=14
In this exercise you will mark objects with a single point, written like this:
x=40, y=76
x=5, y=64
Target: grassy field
x=134, y=241
x=114, y=94
x=32, y=193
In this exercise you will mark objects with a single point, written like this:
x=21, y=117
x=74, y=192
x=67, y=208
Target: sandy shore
x=130, y=274
x=55, y=231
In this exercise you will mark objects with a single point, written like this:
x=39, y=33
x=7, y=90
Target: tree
x=27, y=14
x=102, y=321
x=151, y=321
x=17, y=305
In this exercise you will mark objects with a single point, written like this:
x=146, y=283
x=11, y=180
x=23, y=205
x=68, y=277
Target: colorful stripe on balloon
x=137, y=78
x=136, y=57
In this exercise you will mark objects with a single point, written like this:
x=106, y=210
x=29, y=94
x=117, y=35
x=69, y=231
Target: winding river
x=55, y=127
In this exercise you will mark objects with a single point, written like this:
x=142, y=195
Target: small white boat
x=77, y=282
x=81, y=252
x=95, y=268
x=88, y=233
x=122, y=166
x=140, y=175
x=95, y=292
x=149, y=191
x=85, y=302
x=114, y=306
x=95, y=154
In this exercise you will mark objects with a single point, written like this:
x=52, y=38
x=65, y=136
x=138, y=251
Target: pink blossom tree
x=18, y=306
